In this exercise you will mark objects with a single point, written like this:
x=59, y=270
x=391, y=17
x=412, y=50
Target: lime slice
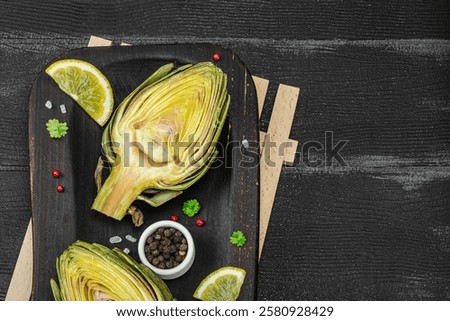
x=86, y=85
x=223, y=284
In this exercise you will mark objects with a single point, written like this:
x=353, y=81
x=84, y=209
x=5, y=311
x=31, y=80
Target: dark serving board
x=229, y=194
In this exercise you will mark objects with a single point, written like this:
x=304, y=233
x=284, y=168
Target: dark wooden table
x=375, y=75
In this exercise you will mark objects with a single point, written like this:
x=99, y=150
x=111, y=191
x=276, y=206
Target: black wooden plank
x=308, y=19
x=355, y=237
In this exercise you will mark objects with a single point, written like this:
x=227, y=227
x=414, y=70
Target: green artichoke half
x=162, y=138
x=93, y=272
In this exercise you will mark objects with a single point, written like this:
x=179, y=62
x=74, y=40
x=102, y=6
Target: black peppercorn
x=166, y=248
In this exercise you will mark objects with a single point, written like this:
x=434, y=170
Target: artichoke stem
x=117, y=193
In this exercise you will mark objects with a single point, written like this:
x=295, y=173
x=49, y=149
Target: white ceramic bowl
x=173, y=273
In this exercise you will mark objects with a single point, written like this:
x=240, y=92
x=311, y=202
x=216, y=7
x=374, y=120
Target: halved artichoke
x=162, y=138
x=93, y=272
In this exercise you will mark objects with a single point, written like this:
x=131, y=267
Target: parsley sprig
x=191, y=207
x=238, y=238
x=56, y=129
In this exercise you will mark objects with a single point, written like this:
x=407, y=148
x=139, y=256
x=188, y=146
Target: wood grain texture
x=21, y=282
x=271, y=161
x=358, y=238
x=289, y=152
x=95, y=41
x=374, y=74
x=14, y=218
x=308, y=19
x=261, y=86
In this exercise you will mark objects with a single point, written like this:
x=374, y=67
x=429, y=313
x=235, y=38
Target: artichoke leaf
x=98, y=173
x=55, y=290
x=159, y=198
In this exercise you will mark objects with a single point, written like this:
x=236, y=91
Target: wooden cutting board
x=279, y=128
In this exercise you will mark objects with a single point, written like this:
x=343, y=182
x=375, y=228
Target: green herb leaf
x=191, y=207
x=238, y=238
x=56, y=129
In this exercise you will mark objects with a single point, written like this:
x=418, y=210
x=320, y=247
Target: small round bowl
x=173, y=273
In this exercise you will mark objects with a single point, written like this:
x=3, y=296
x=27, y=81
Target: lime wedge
x=223, y=284
x=86, y=85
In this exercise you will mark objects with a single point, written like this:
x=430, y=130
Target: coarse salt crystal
x=245, y=143
x=48, y=104
x=115, y=239
x=130, y=238
x=63, y=109
x=126, y=250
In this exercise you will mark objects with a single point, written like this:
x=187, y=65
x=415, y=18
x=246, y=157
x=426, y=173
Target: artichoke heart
x=93, y=272
x=162, y=138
